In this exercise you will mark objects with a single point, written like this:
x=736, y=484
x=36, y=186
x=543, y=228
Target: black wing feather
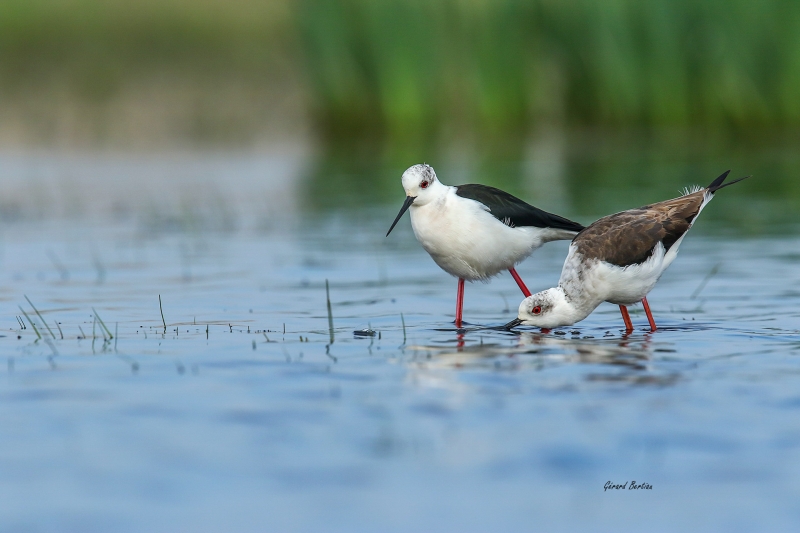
x=512, y=211
x=630, y=237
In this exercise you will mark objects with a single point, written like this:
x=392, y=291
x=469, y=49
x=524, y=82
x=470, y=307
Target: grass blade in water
x=31, y=323
x=110, y=336
x=330, y=315
x=160, y=308
x=40, y=317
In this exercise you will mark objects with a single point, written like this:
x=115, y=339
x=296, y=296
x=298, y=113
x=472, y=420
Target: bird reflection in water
x=627, y=359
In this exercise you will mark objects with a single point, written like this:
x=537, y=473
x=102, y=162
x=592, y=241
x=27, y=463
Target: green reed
x=422, y=69
x=413, y=68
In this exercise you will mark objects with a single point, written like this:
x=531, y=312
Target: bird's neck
x=575, y=284
x=577, y=304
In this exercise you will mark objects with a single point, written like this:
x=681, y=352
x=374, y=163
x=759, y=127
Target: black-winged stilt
x=618, y=259
x=474, y=232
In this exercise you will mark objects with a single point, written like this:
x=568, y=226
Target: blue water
x=250, y=428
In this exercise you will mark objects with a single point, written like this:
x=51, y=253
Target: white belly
x=466, y=241
x=603, y=282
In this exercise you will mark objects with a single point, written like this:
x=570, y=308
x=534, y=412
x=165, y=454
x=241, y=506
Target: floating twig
x=403, y=320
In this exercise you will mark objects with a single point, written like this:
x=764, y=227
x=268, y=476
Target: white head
x=546, y=309
x=421, y=186
x=420, y=182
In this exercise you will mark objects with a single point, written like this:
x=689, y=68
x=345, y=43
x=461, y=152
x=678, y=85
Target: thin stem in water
x=40, y=317
x=162, y=314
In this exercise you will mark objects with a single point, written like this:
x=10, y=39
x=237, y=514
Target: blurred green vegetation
x=411, y=68
x=648, y=95
x=146, y=73
x=424, y=69
x=95, y=44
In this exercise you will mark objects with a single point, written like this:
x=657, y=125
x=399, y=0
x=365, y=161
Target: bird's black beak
x=406, y=205
x=514, y=323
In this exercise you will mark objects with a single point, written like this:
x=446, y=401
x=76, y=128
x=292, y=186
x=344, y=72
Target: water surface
x=242, y=410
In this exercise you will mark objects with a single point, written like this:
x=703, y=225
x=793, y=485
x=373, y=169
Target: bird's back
x=629, y=237
x=514, y=212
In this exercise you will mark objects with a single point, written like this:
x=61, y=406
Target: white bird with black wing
x=474, y=232
x=618, y=259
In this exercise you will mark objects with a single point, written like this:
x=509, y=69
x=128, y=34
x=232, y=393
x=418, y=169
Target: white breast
x=466, y=241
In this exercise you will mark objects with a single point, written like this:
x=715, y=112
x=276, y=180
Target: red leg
x=627, y=318
x=649, y=314
x=459, y=301
x=519, y=281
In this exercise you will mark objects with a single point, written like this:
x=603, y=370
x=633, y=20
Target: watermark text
x=628, y=485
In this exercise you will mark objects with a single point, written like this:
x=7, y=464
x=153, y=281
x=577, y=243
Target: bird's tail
x=718, y=183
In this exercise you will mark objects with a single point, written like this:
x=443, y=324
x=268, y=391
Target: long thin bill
x=406, y=205
x=514, y=323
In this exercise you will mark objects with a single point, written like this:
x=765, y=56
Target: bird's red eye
x=537, y=310
x=424, y=185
